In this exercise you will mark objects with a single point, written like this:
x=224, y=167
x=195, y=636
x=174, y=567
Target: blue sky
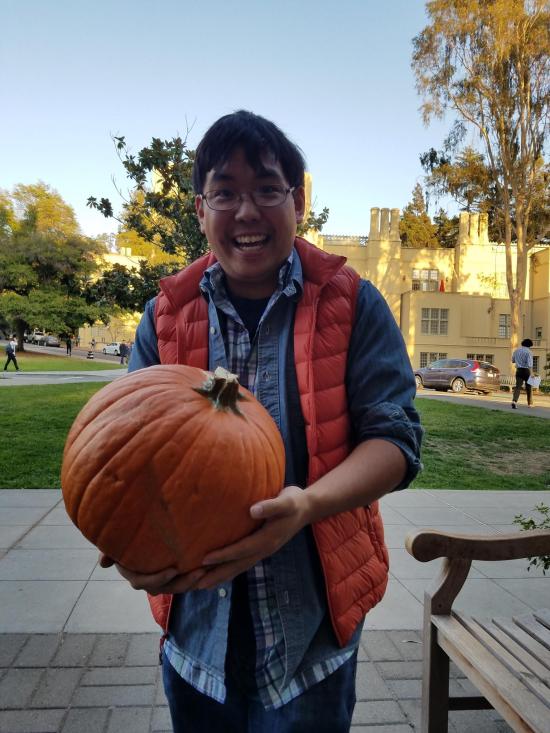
x=335, y=76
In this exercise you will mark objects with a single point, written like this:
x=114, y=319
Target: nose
x=247, y=209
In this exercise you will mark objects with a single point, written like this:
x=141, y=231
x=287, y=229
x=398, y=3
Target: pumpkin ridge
x=85, y=442
x=127, y=445
x=82, y=443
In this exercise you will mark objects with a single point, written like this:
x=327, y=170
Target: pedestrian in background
x=69, y=345
x=10, y=353
x=123, y=350
x=523, y=359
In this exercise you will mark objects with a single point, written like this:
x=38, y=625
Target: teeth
x=250, y=239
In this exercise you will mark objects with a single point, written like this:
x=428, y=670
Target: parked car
x=51, y=341
x=459, y=375
x=112, y=348
x=37, y=337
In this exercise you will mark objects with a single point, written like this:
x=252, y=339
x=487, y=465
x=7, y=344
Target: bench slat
x=527, y=659
x=524, y=674
x=522, y=709
x=538, y=632
x=543, y=616
x=524, y=639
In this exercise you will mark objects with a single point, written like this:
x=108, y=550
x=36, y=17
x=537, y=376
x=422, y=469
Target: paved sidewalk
x=78, y=648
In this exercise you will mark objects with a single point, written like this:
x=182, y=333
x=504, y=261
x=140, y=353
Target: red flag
x=442, y=286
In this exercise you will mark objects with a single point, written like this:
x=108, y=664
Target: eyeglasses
x=224, y=199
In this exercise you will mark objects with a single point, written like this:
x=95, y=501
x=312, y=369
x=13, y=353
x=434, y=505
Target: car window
x=446, y=363
x=436, y=364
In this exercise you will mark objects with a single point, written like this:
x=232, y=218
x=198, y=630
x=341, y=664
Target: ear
x=299, y=196
x=199, y=208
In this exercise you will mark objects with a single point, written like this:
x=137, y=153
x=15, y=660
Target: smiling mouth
x=250, y=242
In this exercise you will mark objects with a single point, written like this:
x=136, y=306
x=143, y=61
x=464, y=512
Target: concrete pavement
x=78, y=648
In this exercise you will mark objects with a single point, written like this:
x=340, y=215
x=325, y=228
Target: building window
x=538, y=332
x=425, y=280
x=504, y=325
x=426, y=357
x=536, y=364
x=435, y=321
x=481, y=357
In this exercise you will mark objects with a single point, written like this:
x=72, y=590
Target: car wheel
x=418, y=381
x=458, y=385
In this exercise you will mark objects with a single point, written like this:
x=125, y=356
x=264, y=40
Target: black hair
x=527, y=342
x=256, y=136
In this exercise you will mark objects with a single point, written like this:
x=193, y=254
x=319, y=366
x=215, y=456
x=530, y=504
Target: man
x=11, y=346
x=69, y=345
x=264, y=636
x=123, y=351
x=523, y=359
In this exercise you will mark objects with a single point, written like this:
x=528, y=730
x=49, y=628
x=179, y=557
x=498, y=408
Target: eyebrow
x=262, y=172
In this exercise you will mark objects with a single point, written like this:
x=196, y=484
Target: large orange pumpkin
x=162, y=465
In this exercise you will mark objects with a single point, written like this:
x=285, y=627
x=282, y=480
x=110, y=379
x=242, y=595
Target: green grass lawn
x=29, y=361
x=36, y=421
x=464, y=447
x=478, y=448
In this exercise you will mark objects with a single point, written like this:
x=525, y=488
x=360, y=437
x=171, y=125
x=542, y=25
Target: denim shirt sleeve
x=380, y=382
x=145, y=351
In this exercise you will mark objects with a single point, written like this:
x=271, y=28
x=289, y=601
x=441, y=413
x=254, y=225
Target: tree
x=44, y=264
x=488, y=62
x=40, y=209
x=160, y=207
x=163, y=213
x=415, y=227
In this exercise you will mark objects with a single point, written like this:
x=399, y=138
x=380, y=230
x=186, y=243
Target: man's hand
x=165, y=581
x=284, y=517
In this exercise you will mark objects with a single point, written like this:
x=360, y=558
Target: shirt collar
x=290, y=280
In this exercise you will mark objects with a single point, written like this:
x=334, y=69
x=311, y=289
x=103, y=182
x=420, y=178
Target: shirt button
x=266, y=376
x=222, y=593
x=212, y=330
x=267, y=330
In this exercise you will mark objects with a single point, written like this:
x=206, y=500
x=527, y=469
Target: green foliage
x=313, y=221
x=415, y=226
x=126, y=288
x=44, y=263
x=527, y=523
x=161, y=206
x=446, y=229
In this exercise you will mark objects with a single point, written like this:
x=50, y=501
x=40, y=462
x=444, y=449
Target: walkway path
x=78, y=648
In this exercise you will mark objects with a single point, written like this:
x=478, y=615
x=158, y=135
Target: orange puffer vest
x=351, y=545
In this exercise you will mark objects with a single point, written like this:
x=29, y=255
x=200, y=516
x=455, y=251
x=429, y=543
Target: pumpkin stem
x=222, y=389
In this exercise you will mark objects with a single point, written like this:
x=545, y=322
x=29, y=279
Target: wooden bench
x=506, y=659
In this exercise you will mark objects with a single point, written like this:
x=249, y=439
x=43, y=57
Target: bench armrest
x=426, y=545
x=458, y=551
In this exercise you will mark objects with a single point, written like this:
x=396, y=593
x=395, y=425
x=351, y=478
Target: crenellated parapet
x=384, y=224
x=473, y=228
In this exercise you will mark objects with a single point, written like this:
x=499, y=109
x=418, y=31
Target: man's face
x=250, y=242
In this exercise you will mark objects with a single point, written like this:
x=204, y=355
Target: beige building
x=451, y=303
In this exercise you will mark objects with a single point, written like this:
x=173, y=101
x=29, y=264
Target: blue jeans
x=327, y=707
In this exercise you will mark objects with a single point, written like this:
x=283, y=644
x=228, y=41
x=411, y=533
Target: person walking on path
x=523, y=359
x=69, y=345
x=265, y=634
x=123, y=351
x=10, y=353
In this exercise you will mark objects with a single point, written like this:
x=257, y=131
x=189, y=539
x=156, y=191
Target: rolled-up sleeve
x=145, y=349
x=380, y=382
